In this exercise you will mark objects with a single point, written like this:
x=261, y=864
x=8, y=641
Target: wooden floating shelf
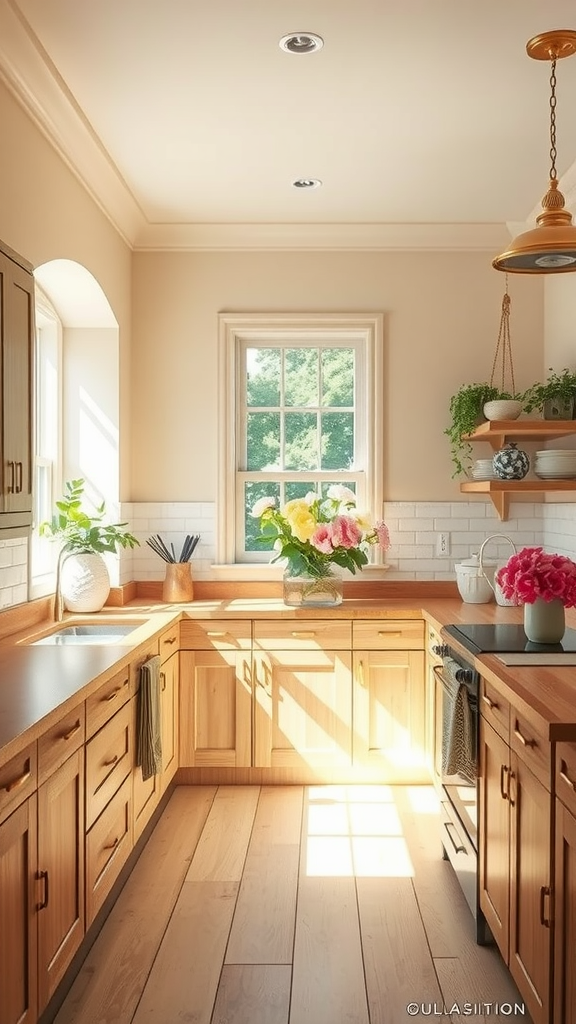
x=497, y=433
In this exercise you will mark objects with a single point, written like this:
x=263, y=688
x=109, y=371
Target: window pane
x=263, y=376
x=263, y=440
x=253, y=491
x=337, y=376
x=350, y=484
x=301, y=448
x=295, y=489
x=301, y=376
x=337, y=440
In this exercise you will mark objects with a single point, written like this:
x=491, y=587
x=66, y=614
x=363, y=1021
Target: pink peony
x=321, y=539
x=383, y=534
x=531, y=573
x=345, y=532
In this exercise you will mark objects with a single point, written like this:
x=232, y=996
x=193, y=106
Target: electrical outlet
x=443, y=544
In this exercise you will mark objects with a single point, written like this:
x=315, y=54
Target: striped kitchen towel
x=149, y=726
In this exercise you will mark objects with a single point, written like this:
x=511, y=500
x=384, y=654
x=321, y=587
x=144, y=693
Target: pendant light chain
x=504, y=346
x=553, y=121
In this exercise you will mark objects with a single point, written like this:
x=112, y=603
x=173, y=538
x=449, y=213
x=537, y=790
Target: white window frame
x=41, y=578
x=239, y=331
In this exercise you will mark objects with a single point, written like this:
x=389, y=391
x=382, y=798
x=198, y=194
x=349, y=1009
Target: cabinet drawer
x=56, y=745
x=495, y=709
x=108, y=845
x=215, y=634
x=169, y=641
x=389, y=635
x=18, y=779
x=106, y=701
x=303, y=635
x=566, y=775
x=109, y=760
x=528, y=738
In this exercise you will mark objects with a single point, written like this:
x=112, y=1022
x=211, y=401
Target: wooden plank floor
x=291, y=905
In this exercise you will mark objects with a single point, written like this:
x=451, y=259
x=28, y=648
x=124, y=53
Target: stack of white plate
x=483, y=470
x=555, y=464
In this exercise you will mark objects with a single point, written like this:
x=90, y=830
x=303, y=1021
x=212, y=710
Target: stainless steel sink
x=89, y=633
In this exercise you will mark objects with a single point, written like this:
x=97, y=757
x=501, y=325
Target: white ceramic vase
x=84, y=582
x=544, y=621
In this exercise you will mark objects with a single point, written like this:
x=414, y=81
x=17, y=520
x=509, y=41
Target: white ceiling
x=425, y=119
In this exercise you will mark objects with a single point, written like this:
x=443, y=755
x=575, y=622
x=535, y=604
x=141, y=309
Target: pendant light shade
x=549, y=248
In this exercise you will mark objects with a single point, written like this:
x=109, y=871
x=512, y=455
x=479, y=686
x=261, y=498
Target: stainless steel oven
x=456, y=771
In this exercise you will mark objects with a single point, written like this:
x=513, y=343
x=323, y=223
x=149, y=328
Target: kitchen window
x=301, y=409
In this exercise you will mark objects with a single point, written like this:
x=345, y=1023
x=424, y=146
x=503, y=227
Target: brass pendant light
x=549, y=248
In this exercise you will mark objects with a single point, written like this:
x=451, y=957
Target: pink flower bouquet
x=314, y=533
x=532, y=574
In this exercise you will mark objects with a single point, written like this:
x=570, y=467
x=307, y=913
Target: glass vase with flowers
x=546, y=585
x=316, y=536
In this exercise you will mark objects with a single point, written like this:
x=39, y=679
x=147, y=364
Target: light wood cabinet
x=16, y=359
x=18, y=932
x=565, y=885
x=146, y=793
x=215, y=708
x=514, y=855
x=389, y=715
x=60, y=872
x=108, y=846
x=169, y=708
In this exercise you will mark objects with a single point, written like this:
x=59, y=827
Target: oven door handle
x=460, y=848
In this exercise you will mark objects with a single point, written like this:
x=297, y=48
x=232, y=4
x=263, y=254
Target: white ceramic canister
x=473, y=580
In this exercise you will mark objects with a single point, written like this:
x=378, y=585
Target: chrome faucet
x=58, y=601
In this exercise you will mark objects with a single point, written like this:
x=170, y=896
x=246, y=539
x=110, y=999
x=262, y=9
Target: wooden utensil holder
x=178, y=585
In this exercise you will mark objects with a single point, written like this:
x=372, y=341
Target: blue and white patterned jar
x=510, y=463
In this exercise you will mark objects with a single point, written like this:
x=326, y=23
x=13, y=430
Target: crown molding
x=33, y=80
x=322, y=237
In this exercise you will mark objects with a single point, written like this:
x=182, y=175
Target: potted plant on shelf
x=82, y=579
x=555, y=397
x=467, y=411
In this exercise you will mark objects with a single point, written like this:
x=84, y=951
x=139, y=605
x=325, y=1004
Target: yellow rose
x=300, y=519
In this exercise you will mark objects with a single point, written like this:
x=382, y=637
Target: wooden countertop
x=38, y=684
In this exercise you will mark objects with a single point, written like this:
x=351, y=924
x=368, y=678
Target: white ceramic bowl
x=502, y=409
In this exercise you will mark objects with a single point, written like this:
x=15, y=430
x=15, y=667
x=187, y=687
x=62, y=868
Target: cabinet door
x=390, y=714
x=215, y=709
x=18, y=960
x=303, y=709
x=530, y=906
x=169, y=718
x=61, y=872
x=565, y=918
x=17, y=340
x=494, y=834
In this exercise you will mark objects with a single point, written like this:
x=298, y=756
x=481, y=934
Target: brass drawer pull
x=162, y=681
x=566, y=778
x=113, y=844
x=303, y=634
x=72, y=732
x=42, y=876
x=11, y=488
x=112, y=694
x=170, y=640
x=523, y=740
x=491, y=703
x=544, y=892
x=17, y=782
x=216, y=632
x=19, y=476
x=505, y=793
x=111, y=761
x=389, y=632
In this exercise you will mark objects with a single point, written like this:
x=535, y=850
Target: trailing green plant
x=466, y=407
x=81, y=531
x=557, y=385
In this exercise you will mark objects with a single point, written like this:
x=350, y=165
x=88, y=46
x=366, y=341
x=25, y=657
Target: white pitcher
x=491, y=574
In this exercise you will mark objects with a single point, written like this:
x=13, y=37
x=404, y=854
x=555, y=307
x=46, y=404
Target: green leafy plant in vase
x=555, y=397
x=82, y=578
x=466, y=410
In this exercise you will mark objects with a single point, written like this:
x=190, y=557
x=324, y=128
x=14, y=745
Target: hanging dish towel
x=458, y=737
x=149, y=739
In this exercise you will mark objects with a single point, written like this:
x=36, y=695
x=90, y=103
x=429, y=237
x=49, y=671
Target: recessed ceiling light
x=301, y=42
x=307, y=183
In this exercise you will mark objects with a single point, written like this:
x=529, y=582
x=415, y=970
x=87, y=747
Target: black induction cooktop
x=505, y=638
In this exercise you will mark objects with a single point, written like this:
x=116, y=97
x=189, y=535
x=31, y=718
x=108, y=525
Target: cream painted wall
x=560, y=322
x=442, y=314
x=46, y=214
